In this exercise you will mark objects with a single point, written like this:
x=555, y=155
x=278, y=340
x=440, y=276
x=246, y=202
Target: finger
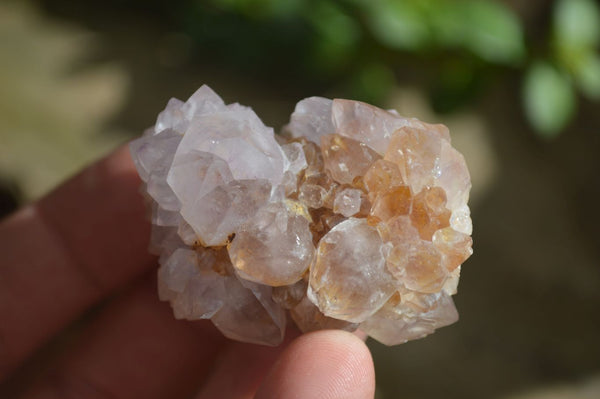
x=135, y=349
x=240, y=369
x=324, y=364
x=64, y=253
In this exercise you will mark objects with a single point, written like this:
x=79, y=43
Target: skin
x=85, y=245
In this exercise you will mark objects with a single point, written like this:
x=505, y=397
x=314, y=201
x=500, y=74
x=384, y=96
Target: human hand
x=86, y=244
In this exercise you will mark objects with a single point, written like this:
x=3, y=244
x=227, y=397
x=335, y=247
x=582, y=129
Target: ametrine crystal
x=353, y=218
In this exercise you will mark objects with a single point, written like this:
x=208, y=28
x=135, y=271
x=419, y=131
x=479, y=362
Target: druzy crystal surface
x=352, y=218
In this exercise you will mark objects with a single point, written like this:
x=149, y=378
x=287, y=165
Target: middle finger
x=135, y=349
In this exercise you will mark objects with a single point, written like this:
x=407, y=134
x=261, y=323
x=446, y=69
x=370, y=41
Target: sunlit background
x=517, y=82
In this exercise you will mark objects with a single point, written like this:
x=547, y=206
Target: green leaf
x=338, y=35
x=492, y=31
x=261, y=8
x=456, y=84
x=548, y=99
x=588, y=76
x=447, y=24
x=372, y=83
x=577, y=23
x=398, y=24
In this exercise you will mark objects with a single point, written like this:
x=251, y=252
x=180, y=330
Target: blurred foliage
x=359, y=48
x=549, y=98
x=573, y=63
x=453, y=50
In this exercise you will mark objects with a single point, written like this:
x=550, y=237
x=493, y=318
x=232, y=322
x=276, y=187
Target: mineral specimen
x=353, y=218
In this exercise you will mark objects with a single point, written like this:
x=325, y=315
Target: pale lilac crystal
x=195, y=174
x=164, y=240
x=217, y=215
x=295, y=156
x=356, y=217
x=153, y=156
x=366, y=123
x=162, y=217
x=374, y=126
x=250, y=315
x=187, y=281
x=177, y=115
x=413, y=317
x=237, y=136
x=172, y=117
x=152, y=152
x=311, y=119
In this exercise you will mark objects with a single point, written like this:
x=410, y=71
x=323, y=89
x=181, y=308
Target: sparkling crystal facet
x=355, y=217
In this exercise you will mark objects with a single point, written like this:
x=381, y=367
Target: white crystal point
x=295, y=156
x=250, y=314
x=274, y=247
x=461, y=220
x=311, y=119
x=162, y=217
x=153, y=156
x=312, y=195
x=375, y=126
x=349, y=279
x=454, y=178
x=151, y=153
x=347, y=202
x=193, y=288
x=366, y=123
x=187, y=233
x=237, y=136
x=173, y=117
x=177, y=115
x=217, y=215
x=203, y=101
x=410, y=316
x=194, y=174
x=451, y=285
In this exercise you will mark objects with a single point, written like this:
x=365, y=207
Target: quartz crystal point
x=353, y=218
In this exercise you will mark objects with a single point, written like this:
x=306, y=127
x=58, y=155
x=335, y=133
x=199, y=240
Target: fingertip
x=324, y=364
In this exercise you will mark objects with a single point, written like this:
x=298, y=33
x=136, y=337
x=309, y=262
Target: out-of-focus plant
x=572, y=63
x=452, y=49
x=485, y=28
x=358, y=44
x=361, y=47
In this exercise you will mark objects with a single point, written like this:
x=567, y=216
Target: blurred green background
x=517, y=82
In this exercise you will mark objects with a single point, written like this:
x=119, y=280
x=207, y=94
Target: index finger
x=68, y=251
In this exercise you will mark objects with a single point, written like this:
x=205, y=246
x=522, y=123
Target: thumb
x=324, y=364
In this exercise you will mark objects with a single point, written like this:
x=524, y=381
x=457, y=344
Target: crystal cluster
x=353, y=218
